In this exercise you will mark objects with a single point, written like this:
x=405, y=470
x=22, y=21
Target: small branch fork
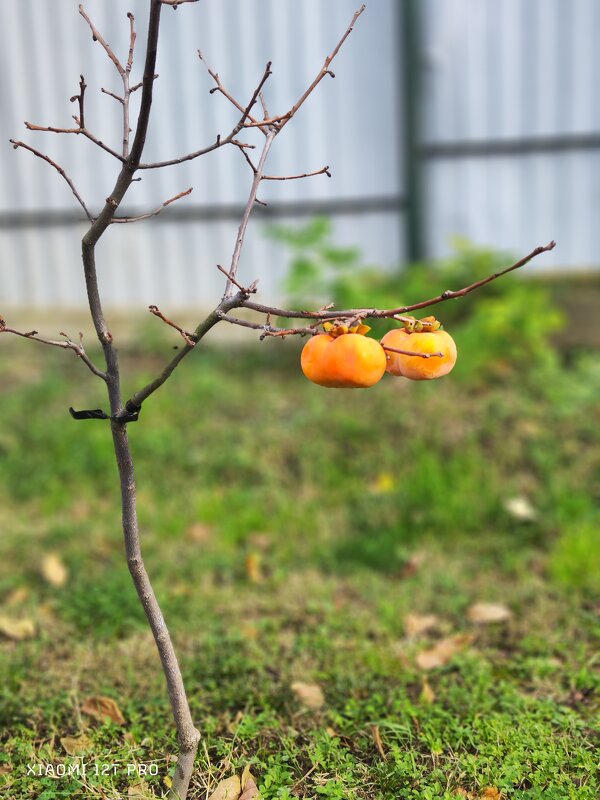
x=67, y=344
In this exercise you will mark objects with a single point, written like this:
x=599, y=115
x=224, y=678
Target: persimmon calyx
x=336, y=328
x=425, y=325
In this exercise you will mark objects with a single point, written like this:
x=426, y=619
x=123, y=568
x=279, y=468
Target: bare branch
x=280, y=121
x=375, y=313
x=187, y=337
x=239, y=242
x=67, y=344
x=79, y=97
x=245, y=111
x=112, y=94
x=322, y=171
x=156, y=211
x=244, y=290
x=412, y=352
x=175, y=3
x=16, y=144
x=267, y=329
x=97, y=37
x=83, y=131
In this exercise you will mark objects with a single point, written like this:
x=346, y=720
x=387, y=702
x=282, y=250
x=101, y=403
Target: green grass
x=360, y=507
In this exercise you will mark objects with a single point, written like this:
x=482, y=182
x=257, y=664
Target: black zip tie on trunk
x=130, y=414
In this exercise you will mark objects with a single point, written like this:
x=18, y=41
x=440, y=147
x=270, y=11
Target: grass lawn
x=302, y=535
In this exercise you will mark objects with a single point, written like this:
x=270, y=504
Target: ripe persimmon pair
x=344, y=358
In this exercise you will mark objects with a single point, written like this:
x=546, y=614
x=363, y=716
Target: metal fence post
x=411, y=66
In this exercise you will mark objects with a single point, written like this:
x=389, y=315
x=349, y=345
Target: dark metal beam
x=527, y=145
x=410, y=76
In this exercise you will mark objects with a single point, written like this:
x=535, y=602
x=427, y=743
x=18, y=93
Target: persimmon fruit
x=416, y=367
x=346, y=361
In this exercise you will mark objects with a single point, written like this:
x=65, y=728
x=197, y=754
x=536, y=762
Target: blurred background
x=343, y=540
x=466, y=118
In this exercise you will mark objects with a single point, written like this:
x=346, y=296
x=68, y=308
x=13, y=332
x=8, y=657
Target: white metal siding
x=509, y=69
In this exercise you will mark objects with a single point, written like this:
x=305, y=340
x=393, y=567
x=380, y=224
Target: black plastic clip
x=131, y=413
x=94, y=413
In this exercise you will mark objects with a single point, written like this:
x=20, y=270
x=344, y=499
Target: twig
x=187, y=337
x=16, y=144
x=175, y=3
x=322, y=171
x=156, y=211
x=97, y=37
x=244, y=290
x=219, y=87
x=412, y=352
x=65, y=345
x=239, y=242
x=83, y=131
x=220, y=141
x=281, y=121
x=375, y=313
x=79, y=97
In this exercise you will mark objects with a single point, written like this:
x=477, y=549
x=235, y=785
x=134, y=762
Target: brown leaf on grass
x=75, y=745
x=228, y=789
x=139, y=791
x=413, y=565
x=491, y=793
x=378, y=741
x=443, y=651
x=199, y=533
x=253, y=568
x=17, y=629
x=484, y=613
x=427, y=695
x=249, y=787
x=415, y=624
x=17, y=597
x=53, y=570
x=102, y=707
x=309, y=695
x=5, y=769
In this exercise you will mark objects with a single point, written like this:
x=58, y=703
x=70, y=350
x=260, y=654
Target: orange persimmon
x=416, y=367
x=347, y=361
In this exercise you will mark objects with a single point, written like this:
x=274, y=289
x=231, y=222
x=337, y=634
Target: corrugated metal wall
x=508, y=71
x=491, y=70
x=44, y=47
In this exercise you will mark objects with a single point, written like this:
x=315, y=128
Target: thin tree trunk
x=187, y=734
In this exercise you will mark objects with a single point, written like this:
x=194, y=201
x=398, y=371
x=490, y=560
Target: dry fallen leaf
x=253, y=568
x=249, y=787
x=228, y=789
x=17, y=629
x=199, y=533
x=139, y=791
x=491, y=793
x=309, y=694
x=75, y=745
x=53, y=570
x=102, y=707
x=484, y=613
x=443, y=651
x=414, y=624
x=378, y=741
x=17, y=596
x=427, y=695
x=520, y=509
x=5, y=769
x=384, y=483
